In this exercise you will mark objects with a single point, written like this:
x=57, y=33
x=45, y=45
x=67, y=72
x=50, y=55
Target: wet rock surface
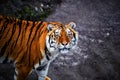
x=97, y=56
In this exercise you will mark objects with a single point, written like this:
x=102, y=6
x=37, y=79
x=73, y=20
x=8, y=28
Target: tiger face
x=61, y=38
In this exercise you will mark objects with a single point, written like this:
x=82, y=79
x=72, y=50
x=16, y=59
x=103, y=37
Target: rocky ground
x=97, y=56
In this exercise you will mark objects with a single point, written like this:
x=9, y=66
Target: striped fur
x=33, y=45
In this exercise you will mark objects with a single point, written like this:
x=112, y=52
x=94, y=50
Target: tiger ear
x=50, y=27
x=72, y=24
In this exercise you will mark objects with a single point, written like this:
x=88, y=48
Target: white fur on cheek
x=51, y=49
x=74, y=41
x=76, y=37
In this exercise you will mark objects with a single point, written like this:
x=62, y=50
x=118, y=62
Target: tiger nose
x=64, y=43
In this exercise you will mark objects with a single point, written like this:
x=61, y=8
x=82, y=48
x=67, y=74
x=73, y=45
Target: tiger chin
x=34, y=45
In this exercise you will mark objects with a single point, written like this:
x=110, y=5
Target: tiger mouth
x=64, y=50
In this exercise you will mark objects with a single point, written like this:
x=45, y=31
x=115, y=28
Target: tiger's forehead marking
x=70, y=28
x=67, y=30
x=57, y=31
x=61, y=27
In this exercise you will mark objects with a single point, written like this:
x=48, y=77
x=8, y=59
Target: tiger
x=33, y=45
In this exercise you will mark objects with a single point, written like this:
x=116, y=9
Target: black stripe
x=18, y=53
x=13, y=31
x=31, y=31
x=14, y=44
x=29, y=55
x=20, y=32
x=41, y=32
x=43, y=67
x=10, y=19
x=35, y=33
x=23, y=58
x=27, y=23
x=6, y=59
x=5, y=34
x=33, y=65
x=47, y=54
x=25, y=53
x=3, y=49
x=14, y=19
x=4, y=26
x=30, y=42
x=38, y=27
x=7, y=43
x=49, y=39
x=1, y=20
x=26, y=26
x=74, y=37
x=47, y=57
x=19, y=23
x=34, y=38
x=23, y=32
x=39, y=61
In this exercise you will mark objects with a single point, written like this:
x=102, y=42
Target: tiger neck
x=50, y=56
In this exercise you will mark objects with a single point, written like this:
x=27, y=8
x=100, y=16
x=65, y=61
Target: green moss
x=29, y=13
x=28, y=10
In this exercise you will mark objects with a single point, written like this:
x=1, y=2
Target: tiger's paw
x=47, y=78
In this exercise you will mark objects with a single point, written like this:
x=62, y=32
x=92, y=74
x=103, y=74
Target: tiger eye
x=70, y=34
x=52, y=35
x=57, y=36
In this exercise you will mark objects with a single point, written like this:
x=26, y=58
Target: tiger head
x=61, y=38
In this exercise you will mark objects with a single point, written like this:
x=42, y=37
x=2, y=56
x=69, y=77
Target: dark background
x=97, y=56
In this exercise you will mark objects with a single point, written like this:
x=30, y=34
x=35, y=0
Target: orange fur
x=24, y=42
x=23, y=47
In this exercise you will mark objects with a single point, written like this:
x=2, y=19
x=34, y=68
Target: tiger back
x=34, y=45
